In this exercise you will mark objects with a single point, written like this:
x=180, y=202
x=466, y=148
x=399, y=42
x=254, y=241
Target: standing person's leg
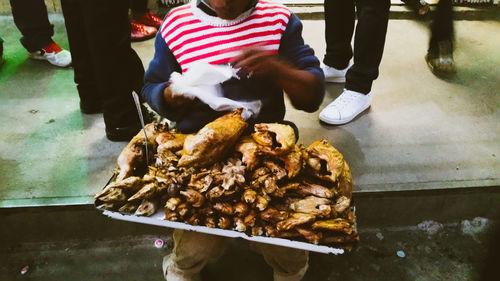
x=30, y=17
x=339, y=28
x=32, y=20
x=440, y=53
x=117, y=68
x=192, y=251
x=369, y=40
x=90, y=97
x=288, y=264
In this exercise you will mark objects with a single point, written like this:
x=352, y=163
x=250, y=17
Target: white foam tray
x=158, y=219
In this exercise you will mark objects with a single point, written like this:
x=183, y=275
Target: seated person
x=264, y=40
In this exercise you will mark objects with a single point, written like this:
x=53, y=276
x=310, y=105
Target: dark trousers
x=442, y=24
x=106, y=67
x=369, y=40
x=139, y=6
x=30, y=17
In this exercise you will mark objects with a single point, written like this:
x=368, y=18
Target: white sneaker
x=61, y=59
x=344, y=108
x=334, y=75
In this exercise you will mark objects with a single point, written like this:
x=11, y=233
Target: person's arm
x=296, y=70
x=156, y=81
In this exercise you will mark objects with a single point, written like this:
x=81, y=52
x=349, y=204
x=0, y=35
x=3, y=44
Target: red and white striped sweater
x=193, y=36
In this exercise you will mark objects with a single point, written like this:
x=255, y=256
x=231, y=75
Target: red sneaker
x=149, y=19
x=140, y=32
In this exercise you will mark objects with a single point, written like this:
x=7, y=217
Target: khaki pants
x=193, y=250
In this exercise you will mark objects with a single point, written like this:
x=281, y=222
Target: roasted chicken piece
x=248, y=149
x=171, y=215
x=249, y=196
x=342, y=238
x=311, y=236
x=276, y=139
x=224, y=222
x=215, y=192
x=294, y=220
x=110, y=206
x=307, y=188
x=240, y=209
x=224, y=207
x=128, y=184
x=233, y=173
x=213, y=141
x=293, y=161
x=257, y=231
x=113, y=194
x=147, y=208
x=145, y=192
x=170, y=141
x=312, y=205
x=194, y=219
x=183, y=210
x=341, y=204
x=239, y=224
x=172, y=203
x=323, y=161
x=166, y=158
x=280, y=192
x=133, y=155
x=193, y=197
x=345, y=183
x=250, y=219
x=210, y=222
x=272, y=215
x=129, y=208
x=338, y=224
x=261, y=203
x=276, y=169
x=266, y=183
x=271, y=231
x=201, y=181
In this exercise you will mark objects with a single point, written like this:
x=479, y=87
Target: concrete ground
x=426, y=150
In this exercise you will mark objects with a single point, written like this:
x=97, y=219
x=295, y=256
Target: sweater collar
x=204, y=5
x=206, y=14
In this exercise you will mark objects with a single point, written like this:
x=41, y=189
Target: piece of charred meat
x=294, y=220
x=313, y=205
x=193, y=197
x=276, y=139
x=248, y=149
x=147, y=208
x=323, y=161
x=307, y=188
x=145, y=192
x=213, y=141
x=338, y=224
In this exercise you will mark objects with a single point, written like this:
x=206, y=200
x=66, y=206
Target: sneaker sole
x=335, y=80
x=345, y=121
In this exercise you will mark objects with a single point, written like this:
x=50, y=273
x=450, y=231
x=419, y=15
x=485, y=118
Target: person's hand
x=255, y=61
x=174, y=100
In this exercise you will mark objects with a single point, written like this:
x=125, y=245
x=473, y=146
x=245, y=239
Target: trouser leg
x=117, y=68
x=369, y=41
x=81, y=57
x=139, y=6
x=31, y=18
x=288, y=264
x=339, y=28
x=192, y=251
x=442, y=24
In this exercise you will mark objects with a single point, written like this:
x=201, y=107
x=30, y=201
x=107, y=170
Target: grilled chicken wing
x=345, y=183
x=293, y=220
x=193, y=197
x=145, y=192
x=307, y=188
x=276, y=139
x=133, y=155
x=338, y=224
x=324, y=161
x=248, y=149
x=312, y=205
x=213, y=141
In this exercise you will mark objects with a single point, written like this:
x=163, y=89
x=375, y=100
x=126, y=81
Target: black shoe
x=122, y=133
x=88, y=108
x=440, y=59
